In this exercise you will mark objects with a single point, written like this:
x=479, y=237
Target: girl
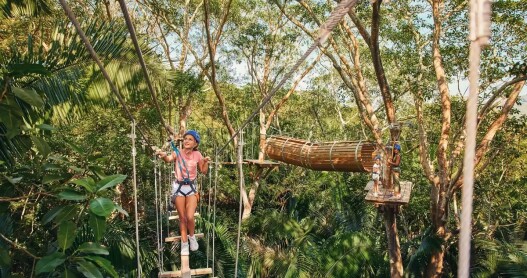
x=187, y=162
x=376, y=171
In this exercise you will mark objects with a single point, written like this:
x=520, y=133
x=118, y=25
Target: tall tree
x=344, y=52
x=267, y=44
x=408, y=35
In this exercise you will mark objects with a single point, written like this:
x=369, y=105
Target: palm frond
x=20, y=8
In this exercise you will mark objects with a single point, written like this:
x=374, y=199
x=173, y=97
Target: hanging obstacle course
x=341, y=156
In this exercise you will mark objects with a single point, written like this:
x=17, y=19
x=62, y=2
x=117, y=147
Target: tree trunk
x=435, y=267
x=390, y=223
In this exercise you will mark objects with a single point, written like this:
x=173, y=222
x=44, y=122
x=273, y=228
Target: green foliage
x=64, y=216
x=18, y=8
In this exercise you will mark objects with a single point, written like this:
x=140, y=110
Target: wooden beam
x=178, y=238
x=178, y=273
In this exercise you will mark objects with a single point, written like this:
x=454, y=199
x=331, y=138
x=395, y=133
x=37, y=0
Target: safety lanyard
x=178, y=154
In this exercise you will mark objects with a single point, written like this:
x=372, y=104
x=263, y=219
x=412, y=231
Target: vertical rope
x=160, y=201
x=479, y=36
x=209, y=213
x=214, y=209
x=138, y=255
x=158, y=231
x=240, y=177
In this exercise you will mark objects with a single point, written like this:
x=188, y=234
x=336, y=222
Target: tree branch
x=17, y=246
x=497, y=93
x=498, y=123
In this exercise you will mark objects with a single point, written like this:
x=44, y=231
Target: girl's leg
x=397, y=184
x=191, y=204
x=183, y=221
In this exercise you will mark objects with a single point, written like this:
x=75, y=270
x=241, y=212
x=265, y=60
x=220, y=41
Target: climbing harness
x=186, y=181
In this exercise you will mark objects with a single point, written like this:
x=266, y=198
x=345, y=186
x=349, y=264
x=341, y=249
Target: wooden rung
x=178, y=273
x=178, y=238
x=174, y=216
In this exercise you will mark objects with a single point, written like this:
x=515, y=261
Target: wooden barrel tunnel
x=342, y=156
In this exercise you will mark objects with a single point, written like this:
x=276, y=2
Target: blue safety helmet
x=397, y=147
x=194, y=134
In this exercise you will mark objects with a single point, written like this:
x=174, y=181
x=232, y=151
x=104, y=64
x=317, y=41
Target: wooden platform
x=190, y=272
x=175, y=216
x=178, y=238
x=262, y=164
x=226, y=162
x=386, y=196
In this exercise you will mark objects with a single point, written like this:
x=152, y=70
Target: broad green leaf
x=25, y=69
x=49, y=263
x=41, y=145
x=74, y=147
x=71, y=195
x=121, y=210
x=5, y=259
x=104, y=264
x=67, y=213
x=13, y=180
x=77, y=169
x=46, y=127
x=58, y=158
x=110, y=181
x=88, y=269
x=49, y=178
x=13, y=132
x=68, y=273
x=98, y=225
x=93, y=248
x=29, y=96
x=51, y=166
x=13, y=106
x=97, y=170
x=10, y=119
x=66, y=234
x=50, y=215
x=87, y=183
x=102, y=206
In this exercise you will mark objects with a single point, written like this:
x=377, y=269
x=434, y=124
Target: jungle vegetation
x=66, y=171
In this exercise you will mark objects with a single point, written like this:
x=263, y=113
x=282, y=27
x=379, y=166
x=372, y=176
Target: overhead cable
x=131, y=29
x=94, y=56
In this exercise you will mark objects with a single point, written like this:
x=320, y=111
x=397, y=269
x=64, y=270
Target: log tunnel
x=341, y=156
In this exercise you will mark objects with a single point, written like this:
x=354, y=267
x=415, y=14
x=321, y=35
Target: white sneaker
x=184, y=249
x=193, y=243
x=375, y=194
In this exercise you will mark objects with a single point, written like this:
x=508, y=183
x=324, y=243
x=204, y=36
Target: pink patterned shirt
x=190, y=161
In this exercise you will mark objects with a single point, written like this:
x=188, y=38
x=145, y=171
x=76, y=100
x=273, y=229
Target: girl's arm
x=204, y=165
x=164, y=156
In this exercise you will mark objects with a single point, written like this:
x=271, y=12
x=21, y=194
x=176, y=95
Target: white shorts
x=375, y=176
x=185, y=190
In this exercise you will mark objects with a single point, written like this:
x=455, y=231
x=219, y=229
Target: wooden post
x=396, y=261
x=185, y=267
